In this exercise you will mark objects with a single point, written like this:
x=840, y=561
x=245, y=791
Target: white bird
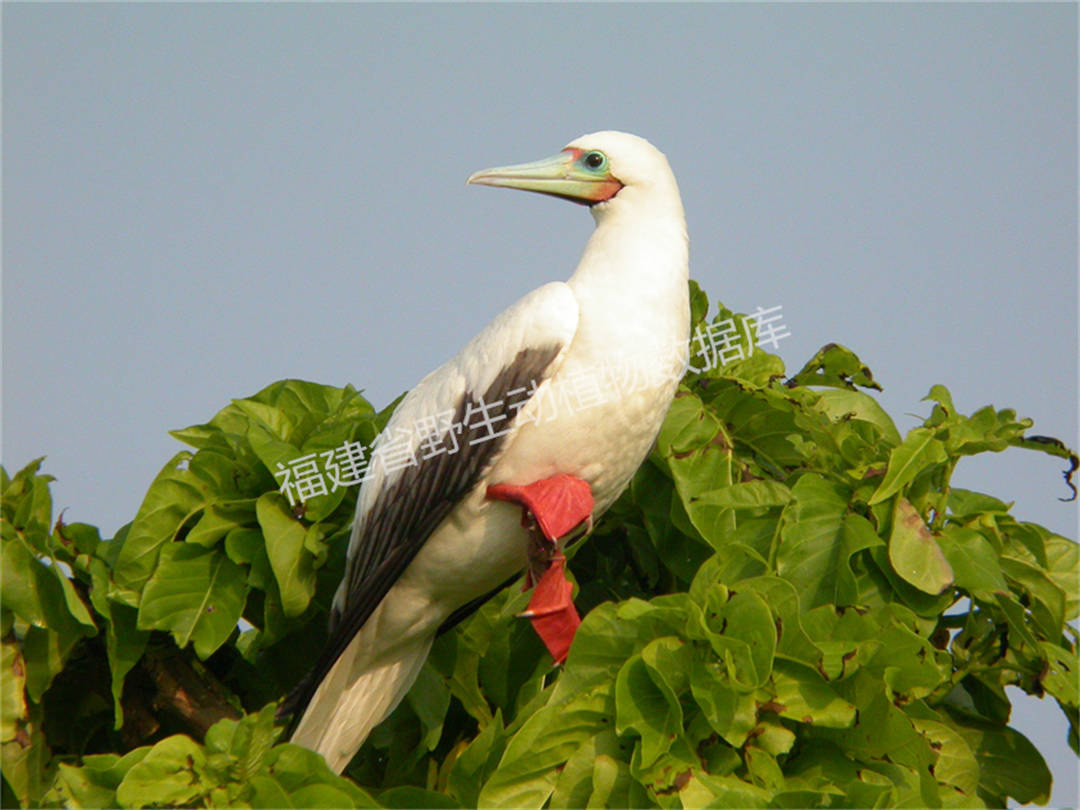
x=553, y=405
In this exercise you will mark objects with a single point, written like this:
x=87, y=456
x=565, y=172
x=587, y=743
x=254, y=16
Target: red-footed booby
x=534, y=429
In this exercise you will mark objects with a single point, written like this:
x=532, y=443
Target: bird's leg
x=558, y=505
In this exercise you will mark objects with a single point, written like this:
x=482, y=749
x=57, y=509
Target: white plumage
x=617, y=330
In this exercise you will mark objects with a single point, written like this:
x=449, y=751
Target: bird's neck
x=640, y=245
x=631, y=282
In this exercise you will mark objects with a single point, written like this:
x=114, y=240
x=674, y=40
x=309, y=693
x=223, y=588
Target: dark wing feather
x=410, y=509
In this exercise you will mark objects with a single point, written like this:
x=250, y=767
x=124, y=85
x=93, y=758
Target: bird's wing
x=471, y=402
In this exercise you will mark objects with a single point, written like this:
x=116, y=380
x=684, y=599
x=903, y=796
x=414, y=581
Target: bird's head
x=590, y=170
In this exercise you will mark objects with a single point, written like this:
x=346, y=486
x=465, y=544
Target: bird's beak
x=560, y=176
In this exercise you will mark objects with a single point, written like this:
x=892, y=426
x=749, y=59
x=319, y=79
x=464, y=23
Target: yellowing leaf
x=915, y=554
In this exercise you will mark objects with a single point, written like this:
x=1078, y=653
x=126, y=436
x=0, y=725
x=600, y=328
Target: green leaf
x=601, y=646
x=967, y=503
x=1009, y=765
x=858, y=535
x=41, y=594
x=985, y=430
x=1063, y=567
x=1016, y=616
x=811, y=539
x=687, y=427
x=751, y=626
x=218, y=519
x=919, y=450
x=76, y=787
x=804, y=696
x=975, y=564
x=44, y=597
x=647, y=695
x=646, y=708
x=750, y=495
x=784, y=603
x=1046, y=599
x=699, y=303
x=175, y=496
x=75, y=543
x=956, y=765
x=723, y=791
x=1060, y=679
x=731, y=712
x=27, y=504
x=526, y=773
x=95, y=783
x=124, y=642
x=170, y=774
x=596, y=775
x=763, y=769
x=907, y=662
x=243, y=743
x=843, y=404
x=940, y=394
x=835, y=365
x=430, y=699
x=915, y=554
x=196, y=594
x=884, y=733
x=292, y=776
x=693, y=472
x=477, y=761
x=286, y=545
x=848, y=639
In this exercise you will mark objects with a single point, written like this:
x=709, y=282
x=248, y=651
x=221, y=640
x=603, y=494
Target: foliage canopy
x=789, y=607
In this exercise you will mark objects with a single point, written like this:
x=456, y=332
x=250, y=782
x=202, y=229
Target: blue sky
x=201, y=199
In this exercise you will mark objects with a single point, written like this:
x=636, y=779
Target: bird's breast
x=597, y=417
x=597, y=428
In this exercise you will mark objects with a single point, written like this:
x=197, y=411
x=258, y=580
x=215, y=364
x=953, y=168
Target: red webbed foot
x=551, y=610
x=558, y=505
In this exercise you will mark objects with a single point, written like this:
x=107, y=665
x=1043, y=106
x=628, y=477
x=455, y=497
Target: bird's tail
x=355, y=696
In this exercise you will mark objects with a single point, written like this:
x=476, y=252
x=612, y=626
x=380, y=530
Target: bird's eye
x=595, y=160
